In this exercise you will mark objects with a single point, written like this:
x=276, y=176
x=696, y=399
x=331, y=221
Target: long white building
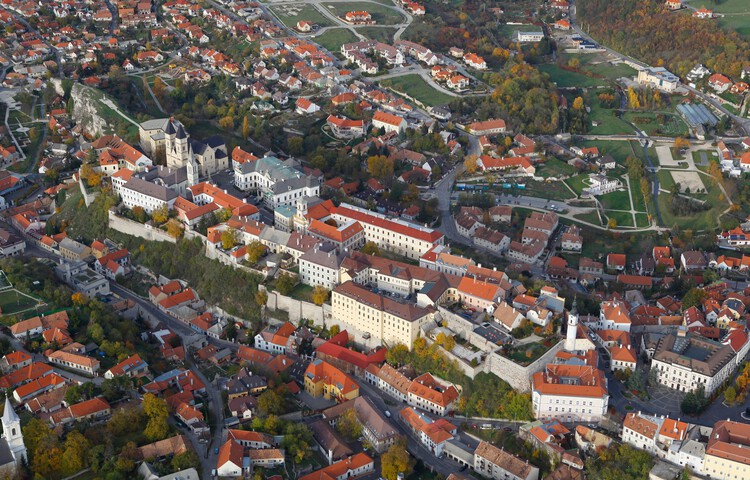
x=276, y=182
x=395, y=235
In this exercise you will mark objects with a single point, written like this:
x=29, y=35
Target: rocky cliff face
x=86, y=105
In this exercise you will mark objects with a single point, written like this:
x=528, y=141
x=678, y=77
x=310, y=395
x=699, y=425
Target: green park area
x=381, y=14
x=333, y=38
x=378, y=34
x=291, y=14
x=416, y=87
x=12, y=301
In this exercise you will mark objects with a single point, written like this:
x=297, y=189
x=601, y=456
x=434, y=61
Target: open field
x=333, y=38
x=555, y=168
x=565, y=78
x=377, y=34
x=577, y=183
x=381, y=14
x=551, y=191
x=12, y=301
x=416, y=87
x=617, y=200
x=705, y=220
x=608, y=123
x=291, y=14
x=658, y=124
x=623, y=219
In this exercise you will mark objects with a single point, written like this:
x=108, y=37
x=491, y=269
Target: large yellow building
x=323, y=379
x=728, y=452
x=375, y=319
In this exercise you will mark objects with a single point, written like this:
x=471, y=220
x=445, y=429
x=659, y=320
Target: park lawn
x=381, y=14
x=666, y=182
x=620, y=150
x=591, y=217
x=641, y=220
x=726, y=6
x=617, y=200
x=333, y=38
x=378, y=34
x=623, y=219
x=706, y=220
x=577, y=183
x=554, y=167
x=669, y=126
x=12, y=301
x=416, y=87
x=565, y=78
x=609, y=70
x=639, y=204
x=549, y=190
x=608, y=123
x=306, y=12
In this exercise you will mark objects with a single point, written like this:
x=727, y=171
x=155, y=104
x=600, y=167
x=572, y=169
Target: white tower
x=570, y=336
x=12, y=432
x=192, y=172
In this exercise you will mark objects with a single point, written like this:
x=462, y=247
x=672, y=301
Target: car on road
x=388, y=413
x=216, y=450
x=486, y=426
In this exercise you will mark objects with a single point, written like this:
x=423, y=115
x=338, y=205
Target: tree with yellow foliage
x=229, y=238
x=578, y=103
x=319, y=295
x=161, y=214
x=471, y=164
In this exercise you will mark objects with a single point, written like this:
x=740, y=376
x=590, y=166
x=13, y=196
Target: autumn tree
x=245, y=128
x=396, y=460
x=319, y=295
x=229, y=238
x=397, y=355
x=348, y=425
x=227, y=123
x=75, y=453
x=471, y=164
x=633, y=100
x=578, y=103
x=450, y=342
x=139, y=214
x=270, y=403
x=261, y=298
x=681, y=142
x=574, y=63
x=157, y=412
x=380, y=167
x=159, y=88
x=440, y=338
x=334, y=330
x=161, y=214
x=255, y=251
x=612, y=223
x=223, y=215
x=730, y=395
x=175, y=228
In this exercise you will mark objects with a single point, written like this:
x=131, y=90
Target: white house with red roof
x=131, y=367
x=388, y=122
x=719, y=82
x=305, y=106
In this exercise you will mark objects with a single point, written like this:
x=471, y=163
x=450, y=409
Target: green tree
x=694, y=297
x=261, y=298
x=245, y=128
x=730, y=395
x=334, y=330
x=694, y=402
x=370, y=248
x=397, y=355
x=380, y=167
x=183, y=461
x=157, y=412
x=285, y=284
x=270, y=403
x=75, y=453
x=295, y=145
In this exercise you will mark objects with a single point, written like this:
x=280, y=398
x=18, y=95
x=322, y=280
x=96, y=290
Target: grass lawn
x=566, y=78
x=32, y=153
x=705, y=220
x=527, y=353
x=550, y=191
x=619, y=200
x=289, y=16
x=608, y=123
x=380, y=13
x=658, y=124
x=378, y=34
x=12, y=301
x=555, y=168
x=609, y=70
x=576, y=183
x=620, y=150
x=725, y=6
x=638, y=201
x=301, y=292
x=666, y=182
x=591, y=217
x=623, y=219
x=641, y=220
x=333, y=39
x=416, y=87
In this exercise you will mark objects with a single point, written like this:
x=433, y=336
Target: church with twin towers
x=167, y=137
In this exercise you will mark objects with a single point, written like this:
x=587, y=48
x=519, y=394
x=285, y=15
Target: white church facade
x=12, y=448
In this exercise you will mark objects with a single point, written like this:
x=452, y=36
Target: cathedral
x=203, y=158
x=12, y=448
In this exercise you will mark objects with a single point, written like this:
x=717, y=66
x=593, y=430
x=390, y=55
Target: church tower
x=570, y=337
x=193, y=172
x=12, y=432
x=177, y=145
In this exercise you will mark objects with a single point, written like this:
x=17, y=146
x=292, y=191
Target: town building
x=323, y=379
x=728, y=452
x=493, y=462
x=275, y=182
x=658, y=77
x=571, y=393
